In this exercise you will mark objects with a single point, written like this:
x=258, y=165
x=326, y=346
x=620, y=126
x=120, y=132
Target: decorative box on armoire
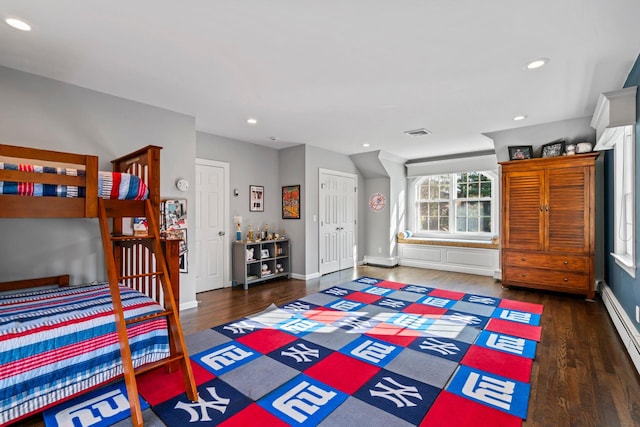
x=548, y=223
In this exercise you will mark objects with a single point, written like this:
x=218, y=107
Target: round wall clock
x=182, y=184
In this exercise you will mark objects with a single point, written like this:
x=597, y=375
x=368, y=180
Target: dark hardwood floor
x=582, y=375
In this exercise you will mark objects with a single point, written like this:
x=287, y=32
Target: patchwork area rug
x=367, y=352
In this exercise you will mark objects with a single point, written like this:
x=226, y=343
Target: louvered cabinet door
x=523, y=222
x=568, y=210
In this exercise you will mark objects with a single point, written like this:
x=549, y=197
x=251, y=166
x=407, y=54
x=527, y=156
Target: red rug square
x=515, y=329
x=391, y=285
x=499, y=363
x=443, y=293
x=521, y=306
x=450, y=410
x=394, y=335
x=342, y=372
x=325, y=315
x=363, y=297
x=266, y=340
x=253, y=415
x=418, y=308
x=160, y=385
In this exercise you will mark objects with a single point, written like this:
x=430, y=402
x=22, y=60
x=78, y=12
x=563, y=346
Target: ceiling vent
x=418, y=132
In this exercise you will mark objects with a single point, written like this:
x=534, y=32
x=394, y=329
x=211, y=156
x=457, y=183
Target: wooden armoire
x=547, y=223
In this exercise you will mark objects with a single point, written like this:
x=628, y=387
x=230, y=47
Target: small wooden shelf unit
x=248, y=270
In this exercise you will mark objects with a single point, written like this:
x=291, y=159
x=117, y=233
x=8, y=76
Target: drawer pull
x=566, y=279
x=523, y=275
x=523, y=259
x=566, y=263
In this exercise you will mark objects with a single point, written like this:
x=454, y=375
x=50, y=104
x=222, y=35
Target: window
x=624, y=200
x=455, y=205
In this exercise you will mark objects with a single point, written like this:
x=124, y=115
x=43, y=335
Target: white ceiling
x=337, y=74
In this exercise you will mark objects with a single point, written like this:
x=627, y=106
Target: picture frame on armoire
x=520, y=152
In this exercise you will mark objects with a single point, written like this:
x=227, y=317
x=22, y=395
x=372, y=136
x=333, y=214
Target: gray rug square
x=334, y=341
x=425, y=368
x=258, y=378
x=354, y=412
x=405, y=296
x=468, y=307
x=319, y=299
x=203, y=340
x=354, y=286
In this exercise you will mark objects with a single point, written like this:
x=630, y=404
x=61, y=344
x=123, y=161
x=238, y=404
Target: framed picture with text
x=256, y=198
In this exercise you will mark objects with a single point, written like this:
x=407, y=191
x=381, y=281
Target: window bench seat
x=463, y=256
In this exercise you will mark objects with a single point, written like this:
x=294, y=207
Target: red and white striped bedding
x=111, y=185
x=56, y=343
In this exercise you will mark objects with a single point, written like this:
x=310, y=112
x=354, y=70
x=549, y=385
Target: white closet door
x=338, y=213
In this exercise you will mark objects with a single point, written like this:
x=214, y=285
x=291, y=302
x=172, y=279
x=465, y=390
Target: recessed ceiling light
x=18, y=24
x=518, y=118
x=365, y=145
x=537, y=63
x=252, y=121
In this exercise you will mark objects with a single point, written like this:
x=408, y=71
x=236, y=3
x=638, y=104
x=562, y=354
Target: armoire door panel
x=524, y=229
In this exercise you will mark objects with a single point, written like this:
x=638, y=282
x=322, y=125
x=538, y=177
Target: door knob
x=221, y=233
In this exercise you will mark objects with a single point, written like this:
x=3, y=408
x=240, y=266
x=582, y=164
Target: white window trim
x=624, y=194
x=413, y=217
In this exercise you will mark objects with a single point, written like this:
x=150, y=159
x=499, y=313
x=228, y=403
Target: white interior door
x=338, y=213
x=211, y=217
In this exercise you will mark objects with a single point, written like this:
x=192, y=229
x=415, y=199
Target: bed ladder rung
x=154, y=365
x=148, y=317
x=136, y=276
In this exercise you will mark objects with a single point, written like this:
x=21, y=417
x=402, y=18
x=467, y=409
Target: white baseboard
x=497, y=274
x=447, y=267
x=188, y=305
x=625, y=327
x=384, y=262
x=305, y=276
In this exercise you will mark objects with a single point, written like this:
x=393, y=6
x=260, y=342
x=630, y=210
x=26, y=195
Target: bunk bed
x=133, y=314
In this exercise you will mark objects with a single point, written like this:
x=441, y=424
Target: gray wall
x=292, y=172
x=44, y=113
x=249, y=164
x=397, y=201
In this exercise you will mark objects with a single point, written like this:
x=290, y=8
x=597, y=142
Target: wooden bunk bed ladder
x=151, y=276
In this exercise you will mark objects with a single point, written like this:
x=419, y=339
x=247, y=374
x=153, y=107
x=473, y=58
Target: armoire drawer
x=550, y=261
x=546, y=278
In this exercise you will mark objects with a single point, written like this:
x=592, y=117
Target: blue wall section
x=625, y=288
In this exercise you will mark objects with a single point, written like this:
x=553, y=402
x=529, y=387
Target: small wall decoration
x=377, y=202
x=553, y=149
x=520, y=152
x=256, y=198
x=173, y=225
x=291, y=202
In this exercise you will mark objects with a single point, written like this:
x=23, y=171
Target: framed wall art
x=256, y=198
x=291, y=202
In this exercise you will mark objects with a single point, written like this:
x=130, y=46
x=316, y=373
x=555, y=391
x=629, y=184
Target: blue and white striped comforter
x=57, y=343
